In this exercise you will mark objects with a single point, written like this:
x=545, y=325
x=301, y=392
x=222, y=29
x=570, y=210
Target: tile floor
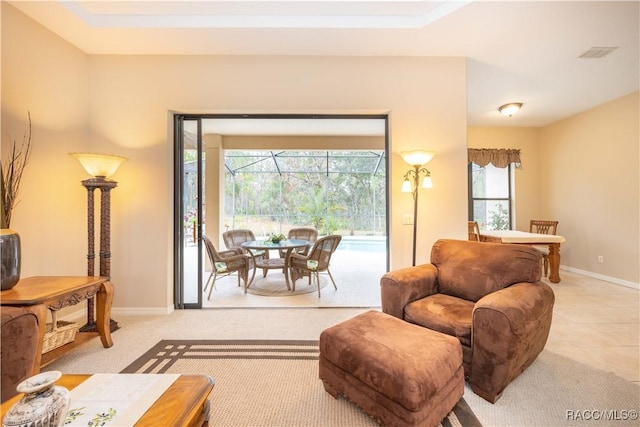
x=597, y=323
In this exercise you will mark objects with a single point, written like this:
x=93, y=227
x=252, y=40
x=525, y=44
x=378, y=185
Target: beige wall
x=528, y=185
x=424, y=113
x=584, y=172
x=590, y=175
x=121, y=105
x=214, y=187
x=43, y=74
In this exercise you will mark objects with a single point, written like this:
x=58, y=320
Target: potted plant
x=276, y=238
x=11, y=169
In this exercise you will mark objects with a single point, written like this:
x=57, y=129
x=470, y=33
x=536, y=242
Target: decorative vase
x=43, y=404
x=10, y=254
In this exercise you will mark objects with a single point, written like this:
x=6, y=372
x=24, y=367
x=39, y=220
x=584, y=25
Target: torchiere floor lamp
x=417, y=159
x=100, y=167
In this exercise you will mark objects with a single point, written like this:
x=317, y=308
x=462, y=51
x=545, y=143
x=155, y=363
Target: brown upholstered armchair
x=489, y=296
x=21, y=346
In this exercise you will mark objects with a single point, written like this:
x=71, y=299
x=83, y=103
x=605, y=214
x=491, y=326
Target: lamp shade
x=417, y=157
x=426, y=182
x=99, y=165
x=406, y=186
x=510, y=109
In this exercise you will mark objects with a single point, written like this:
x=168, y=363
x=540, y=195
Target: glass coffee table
x=275, y=263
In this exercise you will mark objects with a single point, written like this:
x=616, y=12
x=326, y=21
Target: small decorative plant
x=11, y=169
x=276, y=238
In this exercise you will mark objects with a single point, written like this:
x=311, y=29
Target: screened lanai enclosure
x=337, y=192
x=274, y=182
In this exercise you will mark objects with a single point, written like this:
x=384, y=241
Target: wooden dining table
x=526, y=238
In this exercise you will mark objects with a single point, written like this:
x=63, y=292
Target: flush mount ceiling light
x=510, y=109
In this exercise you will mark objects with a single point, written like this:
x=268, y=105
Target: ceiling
x=517, y=51
x=301, y=126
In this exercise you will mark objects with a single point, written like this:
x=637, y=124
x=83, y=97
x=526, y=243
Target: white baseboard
x=610, y=279
x=80, y=315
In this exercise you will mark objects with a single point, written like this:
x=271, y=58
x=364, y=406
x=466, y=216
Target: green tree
x=499, y=219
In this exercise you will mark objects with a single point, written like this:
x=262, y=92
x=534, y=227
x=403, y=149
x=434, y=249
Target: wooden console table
x=57, y=292
x=184, y=403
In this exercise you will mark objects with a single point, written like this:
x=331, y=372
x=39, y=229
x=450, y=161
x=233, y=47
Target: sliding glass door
x=343, y=155
x=188, y=212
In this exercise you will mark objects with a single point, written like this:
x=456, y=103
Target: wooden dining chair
x=543, y=227
x=474, y=231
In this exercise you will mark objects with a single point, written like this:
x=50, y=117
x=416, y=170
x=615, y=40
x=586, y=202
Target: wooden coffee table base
x=184, y=403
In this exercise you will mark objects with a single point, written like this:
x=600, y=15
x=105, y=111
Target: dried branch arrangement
x=11, y=169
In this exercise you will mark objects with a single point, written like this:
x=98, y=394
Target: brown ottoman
x=397, y=372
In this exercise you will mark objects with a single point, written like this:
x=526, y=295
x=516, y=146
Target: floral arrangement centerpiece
x=276, y=238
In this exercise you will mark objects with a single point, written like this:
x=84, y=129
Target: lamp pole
x=105, y=186
x=413, y=176
x=100, y=167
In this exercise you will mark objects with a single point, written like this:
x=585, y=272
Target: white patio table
x=276, y=263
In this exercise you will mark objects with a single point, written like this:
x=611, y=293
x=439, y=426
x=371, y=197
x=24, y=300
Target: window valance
x=498, y=157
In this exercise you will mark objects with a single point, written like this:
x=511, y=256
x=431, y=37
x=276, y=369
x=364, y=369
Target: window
x=490, y=196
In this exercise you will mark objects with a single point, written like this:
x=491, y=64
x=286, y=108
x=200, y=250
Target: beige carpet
x=541, y=396
x=265, y=383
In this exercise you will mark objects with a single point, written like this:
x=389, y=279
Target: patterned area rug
x=274, y=285
x=265, y=383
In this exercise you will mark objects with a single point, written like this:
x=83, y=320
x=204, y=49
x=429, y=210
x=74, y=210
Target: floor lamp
x=100, y=167
x=417, y=159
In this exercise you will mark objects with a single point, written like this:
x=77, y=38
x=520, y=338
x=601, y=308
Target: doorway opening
x=270, y=173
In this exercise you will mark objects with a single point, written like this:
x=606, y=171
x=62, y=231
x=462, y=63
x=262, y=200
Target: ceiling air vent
x=597, y=52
